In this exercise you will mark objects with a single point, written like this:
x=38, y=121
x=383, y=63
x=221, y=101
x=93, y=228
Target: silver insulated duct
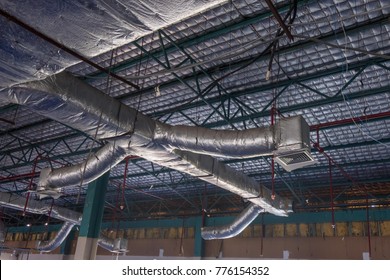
x=62, y=234
x=117, y=245
x=89, y=170
x=71, y=101
x=236, y=227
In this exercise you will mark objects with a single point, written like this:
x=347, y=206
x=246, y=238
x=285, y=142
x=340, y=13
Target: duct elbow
x=62, y=234
x=236, y=227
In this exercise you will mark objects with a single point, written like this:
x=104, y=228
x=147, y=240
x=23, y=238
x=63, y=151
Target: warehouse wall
x=299, y=248
x=303, y=241
x=176, y=238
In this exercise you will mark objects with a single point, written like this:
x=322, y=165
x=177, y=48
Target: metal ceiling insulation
x=88, y=27
x=209, y=70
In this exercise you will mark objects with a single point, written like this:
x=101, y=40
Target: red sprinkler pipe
x=30, y=184
x=204, y=200
x=273, y=111
x=368, y=227
x=346, y=175
x=273, y=178
x=331, y=194
x=350, y=120
x=18, y=177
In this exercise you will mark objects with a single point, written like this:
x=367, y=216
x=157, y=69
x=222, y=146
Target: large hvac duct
x=71, y=101
x=61, y=98
x=221, y=175
x=221, y=143
x=236, y=227
x=62, y=234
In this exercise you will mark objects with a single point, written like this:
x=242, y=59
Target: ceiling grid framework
x=210, y=69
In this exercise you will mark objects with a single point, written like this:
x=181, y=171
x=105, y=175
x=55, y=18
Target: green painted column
x=199, y=242
x=92, y=219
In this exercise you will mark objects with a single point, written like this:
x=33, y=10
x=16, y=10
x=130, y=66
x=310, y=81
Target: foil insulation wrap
x=240, y=223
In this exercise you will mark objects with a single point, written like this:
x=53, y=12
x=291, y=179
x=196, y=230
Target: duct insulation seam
x=48, y=246
x=109, y=24
x=241, y=222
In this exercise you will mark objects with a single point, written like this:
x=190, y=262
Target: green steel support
x=92, y=219
x=312, y=89
x=198, y=242
x=351, y=80
x=94, y=207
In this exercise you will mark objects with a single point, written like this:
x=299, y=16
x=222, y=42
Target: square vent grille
x=294, y=160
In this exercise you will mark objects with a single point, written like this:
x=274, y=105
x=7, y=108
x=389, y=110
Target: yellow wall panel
x=342, y=229
x=246, y=232
x=357, y=229
x=278, y=230
x=304, y=230
x=257, y=230
x=327, y=229
x=291, y=230
x=385, y=228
